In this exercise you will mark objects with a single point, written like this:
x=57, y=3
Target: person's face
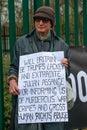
x=42, y=25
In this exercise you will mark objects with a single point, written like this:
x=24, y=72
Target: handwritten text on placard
x=42, y=88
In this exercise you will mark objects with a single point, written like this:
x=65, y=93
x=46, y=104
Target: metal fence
x=71, y=24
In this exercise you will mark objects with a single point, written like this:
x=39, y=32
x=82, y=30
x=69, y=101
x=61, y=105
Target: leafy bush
x=7, y=95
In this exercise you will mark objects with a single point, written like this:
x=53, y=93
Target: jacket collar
x=33, y=31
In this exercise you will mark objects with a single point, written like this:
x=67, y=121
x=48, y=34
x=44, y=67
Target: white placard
x=42, y=86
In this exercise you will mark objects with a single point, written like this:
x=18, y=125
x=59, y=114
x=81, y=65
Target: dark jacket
x=29, y=44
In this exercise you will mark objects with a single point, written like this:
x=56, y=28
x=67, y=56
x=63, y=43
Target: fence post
x=47, y=2
x=76, y=22
x=85, y=22
x=25, y=5
x=12, y=28
x=67, y=36
x=37, y=3
x=57, y=9
x=1, y=84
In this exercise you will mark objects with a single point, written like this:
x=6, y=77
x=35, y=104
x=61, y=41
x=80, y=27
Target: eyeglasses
x=44, y=20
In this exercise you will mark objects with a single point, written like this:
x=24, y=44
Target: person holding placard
x=42, y=38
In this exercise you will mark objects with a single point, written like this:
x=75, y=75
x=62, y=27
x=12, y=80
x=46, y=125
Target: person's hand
x=13, y=87
x=65, y=62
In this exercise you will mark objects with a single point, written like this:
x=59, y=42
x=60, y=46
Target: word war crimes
x=42, y=88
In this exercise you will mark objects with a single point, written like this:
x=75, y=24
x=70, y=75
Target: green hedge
x=7, y=95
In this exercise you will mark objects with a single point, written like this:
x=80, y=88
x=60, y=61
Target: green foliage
x=7, y=95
